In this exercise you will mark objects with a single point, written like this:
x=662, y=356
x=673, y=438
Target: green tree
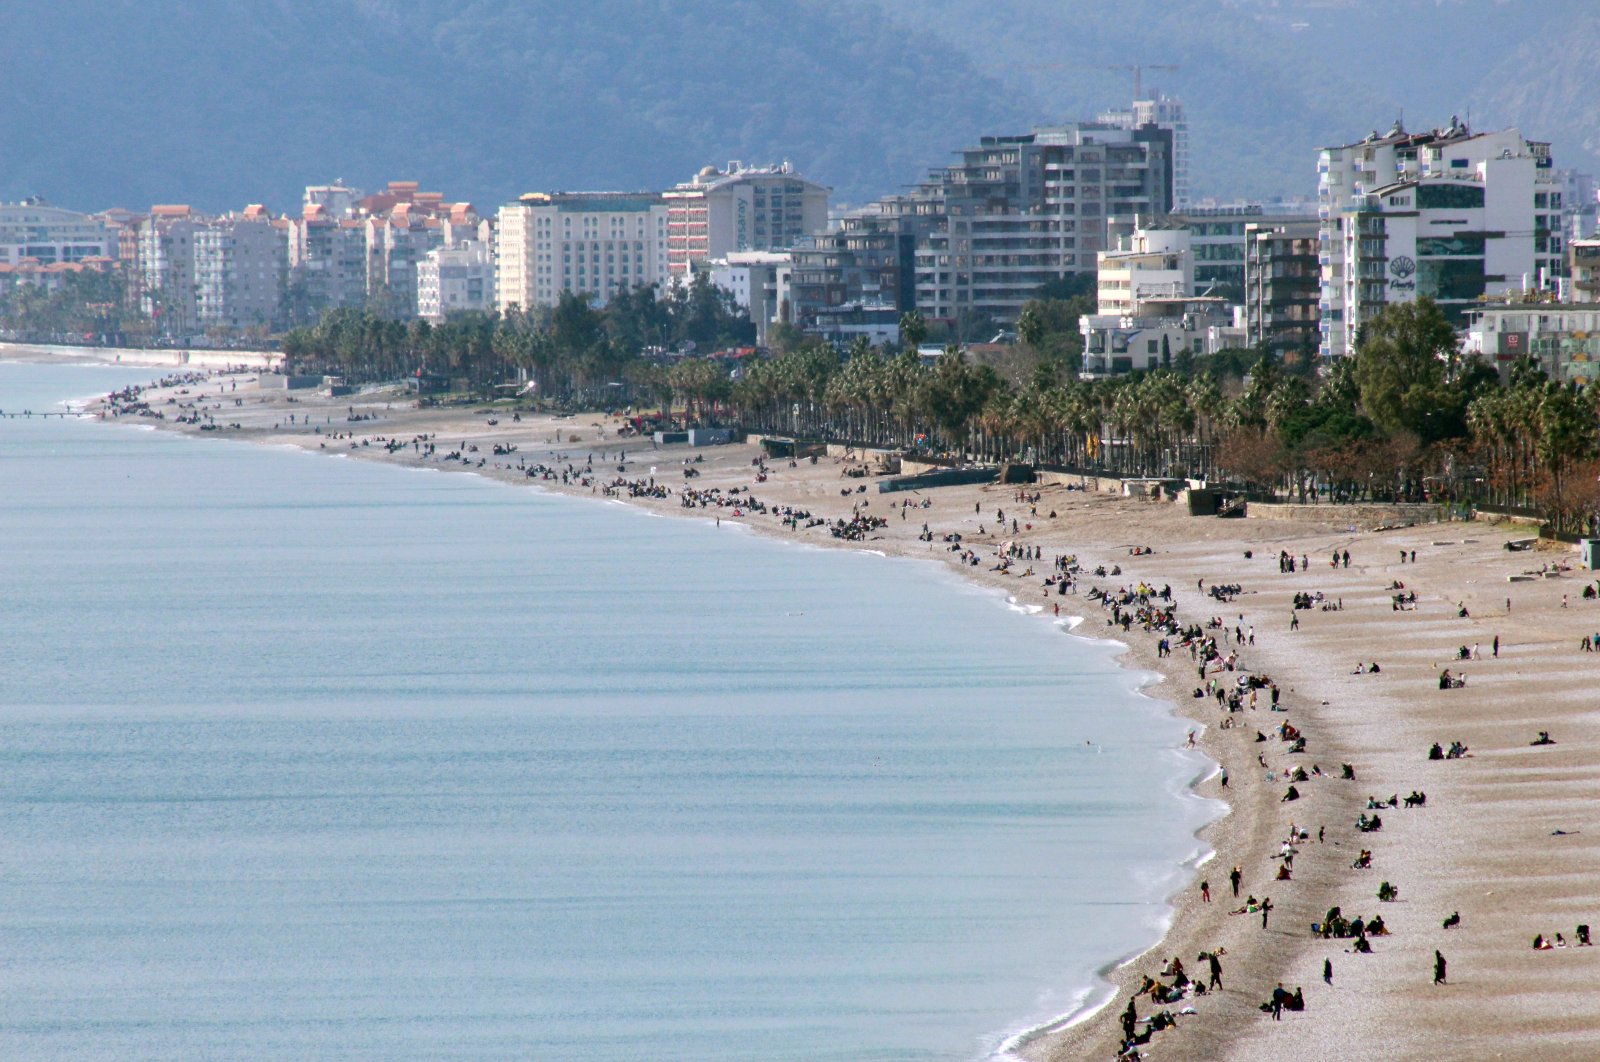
x=1402, y=371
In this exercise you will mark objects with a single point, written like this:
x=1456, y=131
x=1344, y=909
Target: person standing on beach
x=1216, y=969
x=1205, y=892
x=1497, y=645
x=1294, y=621
x=1235, y=876
x=1438, y=968
x=1266, y=909
x=1327, y=970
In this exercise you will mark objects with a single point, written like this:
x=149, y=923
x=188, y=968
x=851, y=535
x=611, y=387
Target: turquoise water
x=311, y=758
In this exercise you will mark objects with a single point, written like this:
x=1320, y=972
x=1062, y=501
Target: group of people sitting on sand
x=1544, y=943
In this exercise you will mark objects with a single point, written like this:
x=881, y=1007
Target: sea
x=313, y=758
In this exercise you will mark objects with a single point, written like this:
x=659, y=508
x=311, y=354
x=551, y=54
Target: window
x=1462, y=243
x=1453, y=196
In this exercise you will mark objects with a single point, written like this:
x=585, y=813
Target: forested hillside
x=221, y=101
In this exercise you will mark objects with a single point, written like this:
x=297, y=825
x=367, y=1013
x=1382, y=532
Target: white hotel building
x=591, y=243
x=1450, y=214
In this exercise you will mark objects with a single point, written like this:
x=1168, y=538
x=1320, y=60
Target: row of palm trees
x=1343, y=437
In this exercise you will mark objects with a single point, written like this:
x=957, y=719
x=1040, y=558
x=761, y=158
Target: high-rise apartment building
x=1282, y=281
x=868, y=261
x=741, y=208
x=165, y=268
x=239, y=266
x=1165, y=112
x=1019, y=211
x=1448, y=213
x=592, y=243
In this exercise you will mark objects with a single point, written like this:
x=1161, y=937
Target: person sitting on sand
x=1543, y=739
x=1541, y=944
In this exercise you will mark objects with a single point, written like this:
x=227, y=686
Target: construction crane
x=1138, y=70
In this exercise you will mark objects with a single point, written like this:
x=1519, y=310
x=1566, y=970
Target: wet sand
x=1485, y=844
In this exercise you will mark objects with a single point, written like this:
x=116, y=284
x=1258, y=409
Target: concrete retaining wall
x=193, y=359
x=1362, y=515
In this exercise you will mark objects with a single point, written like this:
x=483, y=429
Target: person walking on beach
x=1266, y=909
x=1216, y=969
x=1294, y=621
x=1225, y=785
x=1438, y=968
x=1205, y=892
x=1327, y=970
x=1235, y=876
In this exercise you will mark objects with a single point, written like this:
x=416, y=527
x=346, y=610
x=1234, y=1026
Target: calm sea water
x=310, y=758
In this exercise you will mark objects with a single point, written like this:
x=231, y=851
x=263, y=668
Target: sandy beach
x=1507, y=835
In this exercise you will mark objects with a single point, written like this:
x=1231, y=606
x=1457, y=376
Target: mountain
x=222, y=102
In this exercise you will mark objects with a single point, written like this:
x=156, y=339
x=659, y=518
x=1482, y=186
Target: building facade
x=1164, y=112
x=164, y=268
x=758, y=282
x=240, y=262
x=348, y=248
x=1282, y=286
x=456, y=279
x=33, y=229
x=741, y=208
x=1564, y=338
x=591, y=243
x=1447, y=213
x=1017, y=212
x=1149, y=269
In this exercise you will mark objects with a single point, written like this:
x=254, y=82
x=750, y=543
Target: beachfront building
x=592, y=243
x=1153, y=264
x=1447, y=213
x=164, y=268
x=741, y=208
x=457, y=279
x=1282, y=282
x=1017, y=212
x=757, y=280
x=239, y=266
x=1564, y=338
x=867, y=261
x=327, y=261
x=1217, y=239
x=1147, y=312
x=348, y=248
x=33, y=229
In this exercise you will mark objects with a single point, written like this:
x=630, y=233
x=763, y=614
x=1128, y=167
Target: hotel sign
x=1402, y=274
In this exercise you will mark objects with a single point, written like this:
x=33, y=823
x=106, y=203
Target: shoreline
x=1307, y=664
